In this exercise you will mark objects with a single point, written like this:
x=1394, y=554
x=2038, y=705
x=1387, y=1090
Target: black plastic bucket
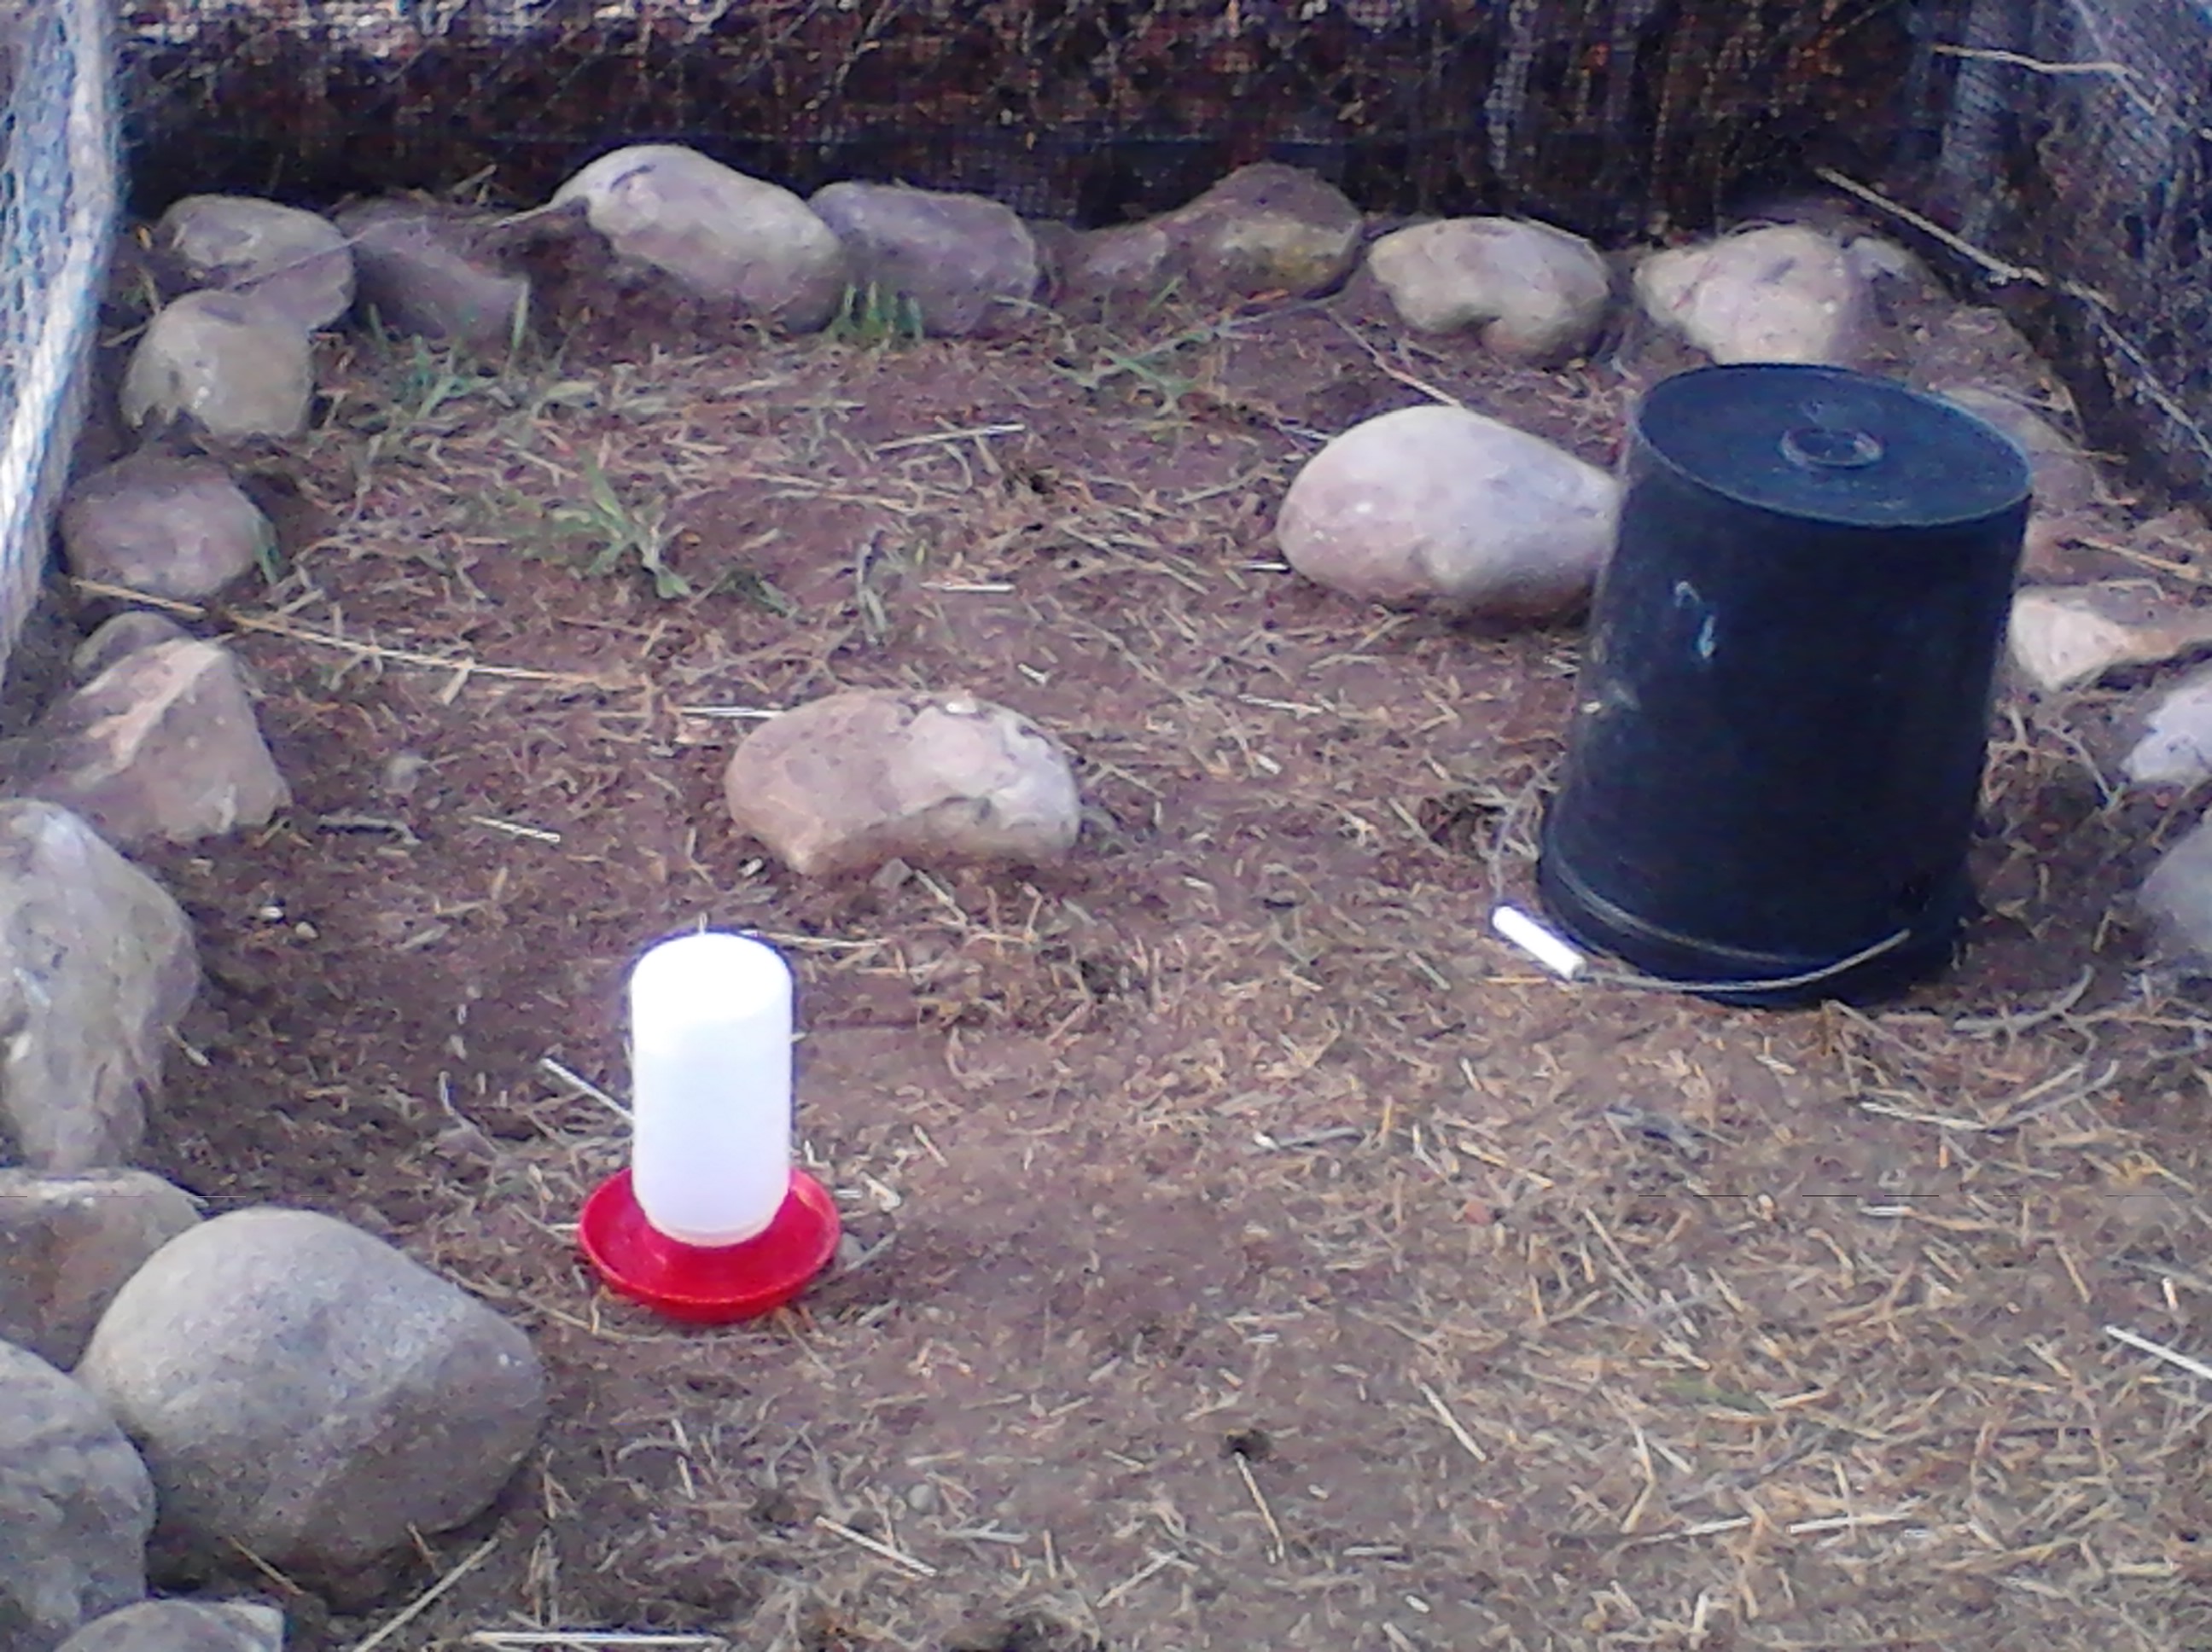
x=1782, y=713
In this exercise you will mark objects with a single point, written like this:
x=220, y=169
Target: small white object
x=1538, y=942
x=710, y=1087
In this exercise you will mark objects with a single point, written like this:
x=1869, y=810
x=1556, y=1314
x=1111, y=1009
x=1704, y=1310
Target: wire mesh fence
x=58, y=211
x=2063, y=146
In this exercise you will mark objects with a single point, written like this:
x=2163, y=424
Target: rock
x=851, y=781
x=2062, y=636
x=722, y=236
x=97, y=964
x=2176, y=747
x=966, y=264
x=163, y=746
x=2177, y=899
x=1537, y=293
x=127, y=634
x=422, y=274
x=68, y=1242
x=1877, y=258
x=1444, y=506
x=307, y=1392
x=166, y=526
x=183, y=1626
x=75, y=1507
x=295, y=261
x=1782, y=293
x=2065, y=481
x=225, y=362
x=1264, y=228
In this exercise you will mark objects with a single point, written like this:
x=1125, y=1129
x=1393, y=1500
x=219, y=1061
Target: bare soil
x=1247, y=1250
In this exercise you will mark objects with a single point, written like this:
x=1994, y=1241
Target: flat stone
x=720, y=235
x=227, y=364
x=2062, y=636
x=422, y=274
x=163, y=746
x=2177, y=900
x=849, y=782
x=168, y=526
x=1782, y=293
x=68, y=1242
x=97, y=965
x=965, y=265
x=75, y=1507
x=309, y=1392
x=1532, y=293
x=297, y=262
x=2176, y=747
x=183, y=1626
x=1440, y=506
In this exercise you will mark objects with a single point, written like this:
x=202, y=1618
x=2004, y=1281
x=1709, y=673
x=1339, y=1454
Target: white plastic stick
x=1538, y=942
x=710, y=1087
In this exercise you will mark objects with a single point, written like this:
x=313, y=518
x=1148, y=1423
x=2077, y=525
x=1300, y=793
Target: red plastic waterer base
x=705, y=1284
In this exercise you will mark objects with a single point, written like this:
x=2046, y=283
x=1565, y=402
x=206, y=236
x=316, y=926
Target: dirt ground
x=1246, y=1249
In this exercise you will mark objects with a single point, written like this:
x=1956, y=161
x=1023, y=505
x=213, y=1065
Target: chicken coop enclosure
x=2063, y=144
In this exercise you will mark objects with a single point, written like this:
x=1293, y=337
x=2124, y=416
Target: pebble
x=720, y=235
x=75, y=1507
x=97, y=965
x=1532, y=293
x=1446, y=506
x=1782, y=294
x=308, y=1393
x=849, y=782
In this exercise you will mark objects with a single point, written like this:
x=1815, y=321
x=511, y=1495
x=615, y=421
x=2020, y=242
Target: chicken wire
x=2056, y=150
x=58, y=212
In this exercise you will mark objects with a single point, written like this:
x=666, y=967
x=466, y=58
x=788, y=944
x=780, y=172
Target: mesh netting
x=2077, y=159
x=2064, y=145
x=57, y=207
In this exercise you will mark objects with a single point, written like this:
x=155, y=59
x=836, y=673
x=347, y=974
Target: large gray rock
x=75, y=1507
x=68, y=1242
x=183, y=1626
x=308, y=1391
x=1534, y=293
x=719, y=236
x=164, y=525
x=127, y=634
x=854, y=779
x=295, y=261
x=1785, y=293
x=421, y=273
x=163, y=746
x=1444, y=507
x=227, y=364
x=97, y=964
x=964, y=263
x=1264, y=228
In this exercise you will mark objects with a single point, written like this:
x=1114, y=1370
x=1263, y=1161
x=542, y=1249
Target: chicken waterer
x=1782, y=717
x=711, y=1222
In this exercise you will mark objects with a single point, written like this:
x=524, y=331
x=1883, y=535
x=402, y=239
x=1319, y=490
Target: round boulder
x=1536, y=293
x=227, y=362
x=76, y=1506
x=295, y=261
x=722, y=236
x=962, y=264
x=305, y=1391
x=164, y=525
x=1442, y=506
x=1782, y=294
x=849, y=782
x=183, y=1626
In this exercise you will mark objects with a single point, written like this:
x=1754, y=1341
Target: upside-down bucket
x=1782, y=713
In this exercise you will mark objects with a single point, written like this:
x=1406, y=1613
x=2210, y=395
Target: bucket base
x=1727, y=974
